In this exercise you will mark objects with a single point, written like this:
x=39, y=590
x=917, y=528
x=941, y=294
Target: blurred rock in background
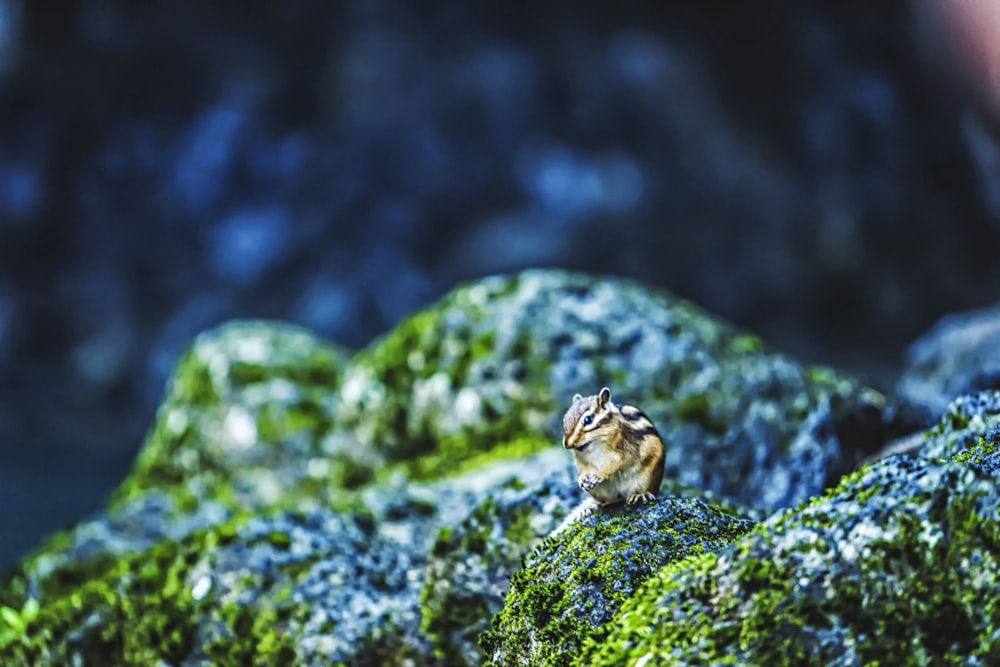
x=799, y=168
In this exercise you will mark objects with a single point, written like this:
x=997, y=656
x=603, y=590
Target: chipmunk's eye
x=588, y=420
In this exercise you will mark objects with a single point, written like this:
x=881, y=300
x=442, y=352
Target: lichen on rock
x=576, y=581
x=470, y=565
x=244, y=420
x=964, y=424
x=277, y=461
x=499, y=359
x=897, y=565
x=258, y=591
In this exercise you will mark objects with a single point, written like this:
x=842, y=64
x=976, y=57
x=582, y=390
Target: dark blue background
x=165, y=165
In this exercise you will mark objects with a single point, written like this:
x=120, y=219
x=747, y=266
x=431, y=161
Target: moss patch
x=140, y=612
x=469, y=565
x=283, y=590
x=895, y=566
x=575, y=582
x=245, y=414
x=454, y=458
x=963, y=426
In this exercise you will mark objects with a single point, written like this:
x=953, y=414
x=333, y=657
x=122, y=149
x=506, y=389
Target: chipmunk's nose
x=565, y=444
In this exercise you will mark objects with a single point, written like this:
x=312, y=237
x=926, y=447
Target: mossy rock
x=244, y=420
x=957, y=356
x=896, y=566
x=498, y=360
x=263, y=419
x=985, y=456
x=577, y=580
x=314, y=587
x=261, y=414
x=470, y=565
x=293, y=589
x=240, y=431
x=963, y=426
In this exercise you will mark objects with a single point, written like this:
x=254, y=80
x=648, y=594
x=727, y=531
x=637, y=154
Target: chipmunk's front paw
x=637, y=498
x=588, y=481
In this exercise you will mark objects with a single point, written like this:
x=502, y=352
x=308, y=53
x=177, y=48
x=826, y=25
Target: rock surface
x=959, y=355
x=576, y=581
x=898, y=565
x=501, y=358
x=296, y=505
x=965, y=424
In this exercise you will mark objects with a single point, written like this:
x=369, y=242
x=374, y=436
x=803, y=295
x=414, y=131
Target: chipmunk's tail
x=585, y=508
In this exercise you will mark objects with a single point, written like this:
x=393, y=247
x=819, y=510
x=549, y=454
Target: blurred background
x=825, y=174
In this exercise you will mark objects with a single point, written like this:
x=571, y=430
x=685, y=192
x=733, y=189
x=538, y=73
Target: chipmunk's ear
x=604, y=397
x=577, y=397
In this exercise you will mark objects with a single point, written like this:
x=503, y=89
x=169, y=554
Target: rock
x=244, y=421
x=576, y=582
x=959, y=355
x=292, y=504
x=969, y=432
x=896, y=565
x=984, y=457
x=305, y=587
x=259, y=591
x=239, y=432
x=470, y=565
x=963, y=426
x=499, y=360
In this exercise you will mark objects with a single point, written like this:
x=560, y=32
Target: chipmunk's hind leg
x=643, y=498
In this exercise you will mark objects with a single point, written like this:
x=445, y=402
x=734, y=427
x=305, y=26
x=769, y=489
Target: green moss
x=14, y=623
x=244, y=373
x=968, y=420
x=280, y=541
x=746, y=344
x=452, y=383
x=520, y=531
x=442, y=616
x=45, y=576
x=956, y=421
x=697, y=408
x=803, y=589
x=275, y=376
x=192, y=382
x=458, y=456
x=461, y=590
x=141, y=611
x=984, y=448
x=410, y=348
x=260, y=640
x=826, y=378
x=152, y=620
x=575, y=582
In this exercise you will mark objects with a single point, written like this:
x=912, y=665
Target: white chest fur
x=617, y=487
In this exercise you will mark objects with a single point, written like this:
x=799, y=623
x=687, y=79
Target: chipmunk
x=617, y=450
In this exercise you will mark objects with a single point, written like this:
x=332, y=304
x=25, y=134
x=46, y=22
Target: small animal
x=617, y=450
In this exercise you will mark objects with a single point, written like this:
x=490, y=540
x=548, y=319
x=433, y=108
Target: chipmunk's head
x=589, y=419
